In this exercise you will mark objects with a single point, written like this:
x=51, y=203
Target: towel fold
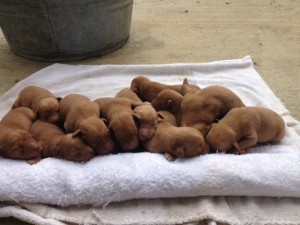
x=269, y=170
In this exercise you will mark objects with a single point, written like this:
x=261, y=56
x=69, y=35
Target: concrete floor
x=169, y=31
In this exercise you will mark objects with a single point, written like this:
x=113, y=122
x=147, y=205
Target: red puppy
x=199, y=109
x=244, y=127
x=147, y=90
x=57, y=144
x=176, y=141
x=121, y=121
x=169, y=100
x=82, y=116
x=41, y=101
x=15, y=140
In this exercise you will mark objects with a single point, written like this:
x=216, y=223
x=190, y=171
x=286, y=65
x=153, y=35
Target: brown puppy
x=244, y=127
x=147, y=90
x=56, y=143
x=121, y=121
x=200, y=109
x=176, y=141
x=169, y=100
x=15, y=140
x=147, y=120
x=82, y=116
x=41, y=101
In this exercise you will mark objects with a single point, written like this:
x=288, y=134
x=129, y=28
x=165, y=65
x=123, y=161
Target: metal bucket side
x=55, y=30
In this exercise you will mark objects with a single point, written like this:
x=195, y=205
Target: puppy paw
x=33, y=161
x=169, y=157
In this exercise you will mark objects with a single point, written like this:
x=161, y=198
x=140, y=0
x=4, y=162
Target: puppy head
x=19, y=144
x=95, y=132
x=147, y=119
x=48, y=110
x=136, y=83
x=190, y=143
x=168, y=99
x=125, y=130
x=221, y=137
x=74, y=149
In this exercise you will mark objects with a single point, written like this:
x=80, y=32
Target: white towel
x=270, y=170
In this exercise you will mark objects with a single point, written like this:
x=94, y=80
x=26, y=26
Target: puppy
x=147, y=120
x=147, y=90
x=82, y=117
x=176, y=141
x=15, y=140
x=41, y=101
x=56, y=143
x=201, y=108
x=169, y=100
x=121, y=121
x=244, y=127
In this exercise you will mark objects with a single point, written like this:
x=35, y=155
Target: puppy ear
x=59, y=99
x=105, y=121
x=76, y=133
x=160, y=117
x=179, y=152
x=136, y=116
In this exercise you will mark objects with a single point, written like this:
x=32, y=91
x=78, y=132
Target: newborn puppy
x=121, y=121
x=176, y=141
x=147, y=120
x=15, y=140
x=199, y=109
x=56, y=143
x=244, y=127
x=147, y=90
x=169, y=100
x=82, y=116
x=41, y=101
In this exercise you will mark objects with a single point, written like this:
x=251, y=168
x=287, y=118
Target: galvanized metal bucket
x=65, y=30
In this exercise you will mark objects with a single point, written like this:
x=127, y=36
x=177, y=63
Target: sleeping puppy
x=147, y=90
x=169, y=100
x=41, y=101
x=15, y=140
x=175, y=141
x=244, y=127
x=121, y=121
x=82, y=117
x=56, y=143
x=201, y=108
x=147, y=115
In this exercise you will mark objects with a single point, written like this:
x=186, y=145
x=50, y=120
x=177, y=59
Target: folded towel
x=270, y=170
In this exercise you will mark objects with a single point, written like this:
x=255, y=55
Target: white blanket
x=271, y=170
